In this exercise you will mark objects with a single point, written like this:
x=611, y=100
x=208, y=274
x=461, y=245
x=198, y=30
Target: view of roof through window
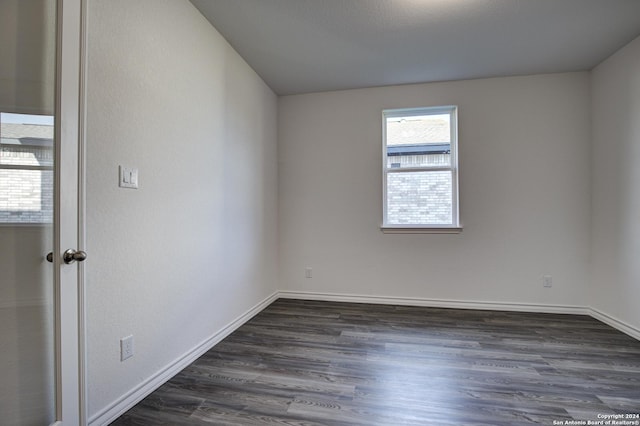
x=425, y=129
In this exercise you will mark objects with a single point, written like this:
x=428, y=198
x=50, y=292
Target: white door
x=69, y=226
x=41, y=297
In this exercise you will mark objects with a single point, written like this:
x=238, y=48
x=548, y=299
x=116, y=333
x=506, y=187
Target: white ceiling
x=301, y=46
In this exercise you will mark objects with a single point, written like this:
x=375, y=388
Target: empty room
x=320, y=212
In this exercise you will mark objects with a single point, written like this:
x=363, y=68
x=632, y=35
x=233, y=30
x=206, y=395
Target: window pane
x=26, y=196
x=419, y=129
x=20, y=155
x=419, y=198
x=418, y=141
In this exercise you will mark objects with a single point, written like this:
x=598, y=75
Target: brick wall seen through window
x=26, y=168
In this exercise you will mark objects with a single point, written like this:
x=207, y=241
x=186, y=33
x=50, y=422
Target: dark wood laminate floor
x=325, y=363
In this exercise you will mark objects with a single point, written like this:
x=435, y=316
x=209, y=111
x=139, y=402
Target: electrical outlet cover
x=126, y=348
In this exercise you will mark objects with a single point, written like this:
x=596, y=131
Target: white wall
x=616, y=185
x=524, y=194
x=195, y=246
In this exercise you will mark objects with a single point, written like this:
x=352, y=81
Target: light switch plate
x=128, y=177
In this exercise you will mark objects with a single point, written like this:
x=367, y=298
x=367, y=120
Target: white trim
x=67, y=127
x=82, y=244
x=452, y=111
x=436, y=303
x=135, y=395
x=417, y=229
x=615, y=323
x=455, y=168
x=464, y=304
x=420, y=169
x=412, y=111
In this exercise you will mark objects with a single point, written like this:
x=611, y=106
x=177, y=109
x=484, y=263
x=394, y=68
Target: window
x=26, y=168
x=420, y=170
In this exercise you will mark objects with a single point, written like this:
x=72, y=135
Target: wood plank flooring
x=324, y=363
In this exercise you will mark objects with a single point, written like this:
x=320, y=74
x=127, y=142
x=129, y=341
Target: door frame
x=69, y=213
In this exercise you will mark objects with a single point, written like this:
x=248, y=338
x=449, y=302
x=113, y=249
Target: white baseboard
x=131, y=398
x=436, y=303
x=615, y=323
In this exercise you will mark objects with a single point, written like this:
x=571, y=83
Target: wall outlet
x=547, y=281
x=126, y=348
x=308, y=272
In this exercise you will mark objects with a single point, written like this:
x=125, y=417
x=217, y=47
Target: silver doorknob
x=72, y=255
x=50, y=257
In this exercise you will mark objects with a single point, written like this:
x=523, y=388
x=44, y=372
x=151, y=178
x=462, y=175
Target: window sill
x=395, y=229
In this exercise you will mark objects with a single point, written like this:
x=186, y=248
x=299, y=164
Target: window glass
x=26, y=168
x=420, y=167
x=419, y=198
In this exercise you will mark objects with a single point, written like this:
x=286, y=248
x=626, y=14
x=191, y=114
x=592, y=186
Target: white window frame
x=455, y=226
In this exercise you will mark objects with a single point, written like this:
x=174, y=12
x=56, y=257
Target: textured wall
x=524, y=194
x=616, y=189
x=195, y=246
